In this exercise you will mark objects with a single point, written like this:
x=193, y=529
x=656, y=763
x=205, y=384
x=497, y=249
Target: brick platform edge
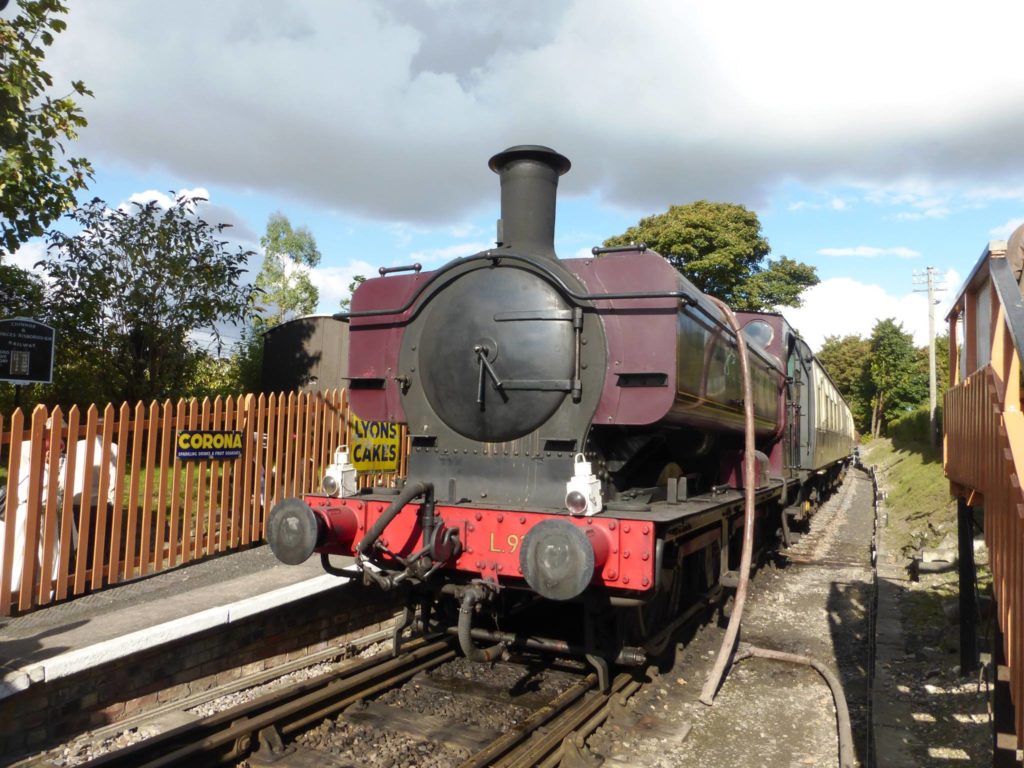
x=50, y=712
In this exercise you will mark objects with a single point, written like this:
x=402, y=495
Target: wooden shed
x=308, y=353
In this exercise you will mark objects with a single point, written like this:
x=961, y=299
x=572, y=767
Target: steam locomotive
x=576, y=434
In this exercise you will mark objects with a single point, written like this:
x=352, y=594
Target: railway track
x=262, y=723
x=554, y=710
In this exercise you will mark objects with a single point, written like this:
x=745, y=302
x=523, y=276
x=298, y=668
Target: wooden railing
x=121, y=505
x=984, y=436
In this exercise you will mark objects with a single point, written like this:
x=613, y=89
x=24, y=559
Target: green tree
x=941, y=365
x=894, y=382
x=21, y=292
x=284, y=279
x=131, y=289
x=846, y=360
x=286, y=291
x=247, y=360
x=211, y=375
x=354, y=283
x=37, y=181
x=720, y=248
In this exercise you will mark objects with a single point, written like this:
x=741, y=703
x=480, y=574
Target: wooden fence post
x=51, y=542
x=103, y=546
x=85, y=526
x=68, y=525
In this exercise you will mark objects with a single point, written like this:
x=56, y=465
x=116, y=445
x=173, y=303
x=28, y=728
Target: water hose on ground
x=846, y=759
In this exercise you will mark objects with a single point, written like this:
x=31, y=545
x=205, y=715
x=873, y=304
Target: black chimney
x=529, y=180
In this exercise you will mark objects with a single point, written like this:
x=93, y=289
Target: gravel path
x=769, y=713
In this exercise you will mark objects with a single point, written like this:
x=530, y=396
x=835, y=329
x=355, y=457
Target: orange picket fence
x=121, y=504
x=984, y=448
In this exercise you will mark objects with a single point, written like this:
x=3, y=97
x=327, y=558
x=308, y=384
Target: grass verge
x=921, y=511
x=921, y=514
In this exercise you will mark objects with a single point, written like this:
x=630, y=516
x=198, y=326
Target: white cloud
x=842, y=306
x=925, y=198
x=333, y=282
x=870, y=252
x=404, y=232
x=1001, y=192
x=161, y=199
x=927, y=213
x=464, y=230
x=1004, y=231
x=27, y=255
x=237, y=233
x=432, y=257
x=390, y=109
x=833, y=204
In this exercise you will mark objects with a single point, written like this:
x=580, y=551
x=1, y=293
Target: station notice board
x=26, y=351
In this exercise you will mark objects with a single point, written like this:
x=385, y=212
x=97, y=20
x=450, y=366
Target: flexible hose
x=480, y=655
x=707, y=694
x=410, y=492
x=846, y=759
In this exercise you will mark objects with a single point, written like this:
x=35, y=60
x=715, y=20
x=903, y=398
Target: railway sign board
x=374, y=445
x=26, y=351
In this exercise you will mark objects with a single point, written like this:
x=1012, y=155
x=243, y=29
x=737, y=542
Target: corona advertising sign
x=204, y=444
x=374, y=445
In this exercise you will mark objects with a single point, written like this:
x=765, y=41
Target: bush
x=914, y=427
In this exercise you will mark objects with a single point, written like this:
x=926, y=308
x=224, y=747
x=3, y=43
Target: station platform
x=129, y=618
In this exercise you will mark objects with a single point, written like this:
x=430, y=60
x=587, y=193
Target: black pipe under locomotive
x=576, y=432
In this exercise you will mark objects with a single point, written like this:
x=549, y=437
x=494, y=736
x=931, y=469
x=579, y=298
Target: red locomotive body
x=576, y=426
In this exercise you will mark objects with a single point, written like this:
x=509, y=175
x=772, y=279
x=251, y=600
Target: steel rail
x=232, y=732
x=511, y=739
x=539, y=740
x=514, y=748
x=544, y=746
x=580, y=735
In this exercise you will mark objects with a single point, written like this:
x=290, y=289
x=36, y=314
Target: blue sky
x=872, y=139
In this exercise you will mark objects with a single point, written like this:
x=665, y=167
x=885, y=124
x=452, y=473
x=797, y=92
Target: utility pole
x=929, y=279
